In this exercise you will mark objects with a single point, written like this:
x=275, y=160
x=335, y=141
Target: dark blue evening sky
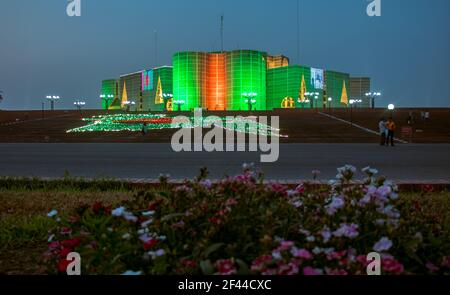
x=406, y=51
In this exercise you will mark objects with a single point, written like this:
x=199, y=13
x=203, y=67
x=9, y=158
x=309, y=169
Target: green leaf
x=243, y=268
x=207, y=267
x=213, y=248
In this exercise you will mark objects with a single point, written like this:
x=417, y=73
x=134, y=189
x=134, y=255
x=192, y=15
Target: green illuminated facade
x=235, y=81
x=335, y=84
x=150, y=101
x=109, y=93
x=189, y=79
x=246, y=73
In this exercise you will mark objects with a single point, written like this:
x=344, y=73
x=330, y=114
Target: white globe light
x=391, y=107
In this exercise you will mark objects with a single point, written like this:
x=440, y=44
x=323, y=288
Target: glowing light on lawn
x=133, y=123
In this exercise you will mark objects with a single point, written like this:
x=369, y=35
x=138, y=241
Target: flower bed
x=242, y=226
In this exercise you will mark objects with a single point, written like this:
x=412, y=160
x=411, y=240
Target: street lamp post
x=391, y=108
x=106, y=99
x=179, y=103
x=53, y=99
x=250, y=99
x=167, y=96
x=79, y=104
x=373, y=96
x=330, y=100
x=352, y=102
x=311, y=98
x=129, y=104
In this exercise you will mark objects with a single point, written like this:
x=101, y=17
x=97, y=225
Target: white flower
x=311, y=239
x=148, y=213
x=142, y=231
x=206, y=183
x=52, y=213
x=130, y=217
x=246, y=166
x=370, y=171
x=317, y=250
x=157, y=253
x=349, y=231
x=326, y=234
x=132, y=273
x=382, y=245
x=146, y=223
x=118, y=212
x=162, y=238
x=380, y=222
x=336, y=204
x=126, y=236
x=277, y=255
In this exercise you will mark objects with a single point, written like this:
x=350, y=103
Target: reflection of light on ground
x=134, y=123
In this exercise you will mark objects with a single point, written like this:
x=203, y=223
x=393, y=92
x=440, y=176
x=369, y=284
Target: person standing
x=144, y=129
x=383, y=131
x=390, y=125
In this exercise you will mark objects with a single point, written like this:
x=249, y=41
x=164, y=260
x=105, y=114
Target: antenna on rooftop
x=221, y=32
x=156, y=48
x=298, y=31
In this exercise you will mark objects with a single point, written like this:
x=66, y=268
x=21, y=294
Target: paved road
x=404, y=162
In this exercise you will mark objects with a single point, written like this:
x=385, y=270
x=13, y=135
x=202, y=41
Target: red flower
x=98, y=207
x=260, y=263
x=215, y=220
x=392, y=266
x=72, y=243
x=288, y=269
x=62, y=265
x=54, y=245
x=231, y=202
x=64, y=252
x=150, y=244
x=188, y=263
x=226, y=267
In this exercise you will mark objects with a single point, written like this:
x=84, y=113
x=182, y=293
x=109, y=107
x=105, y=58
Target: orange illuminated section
x=216, y=82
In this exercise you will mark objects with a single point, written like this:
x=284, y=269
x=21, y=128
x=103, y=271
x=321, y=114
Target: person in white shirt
x=383, y=131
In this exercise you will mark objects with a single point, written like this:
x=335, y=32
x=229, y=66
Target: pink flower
x=226, y=267
x=309, y=271
x=231, y=202
x=363, y=260
x=431, y=267
x=278, y=188
x=300, y=189
x=392, y=266
x=286, y=245
x=54, y=245
x=446, y=262
x=302, y=253
x=336, y=255
x=260, y=263
x=288, y=269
